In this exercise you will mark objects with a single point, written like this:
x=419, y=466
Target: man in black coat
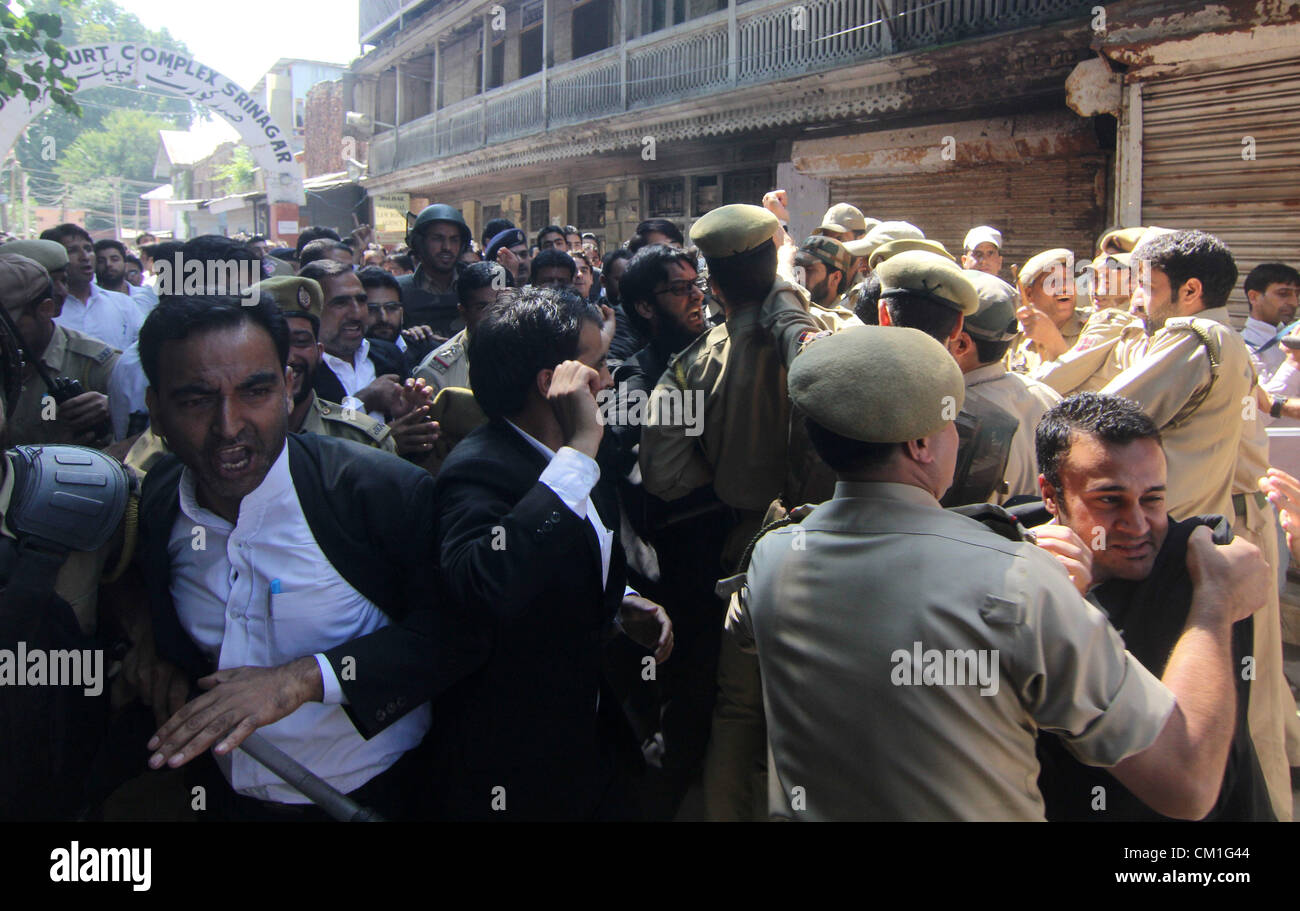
x=526, y=534
x=290, y=576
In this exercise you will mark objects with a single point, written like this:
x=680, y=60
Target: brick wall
x=325, y=146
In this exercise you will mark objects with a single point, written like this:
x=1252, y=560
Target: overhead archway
x=131, y=64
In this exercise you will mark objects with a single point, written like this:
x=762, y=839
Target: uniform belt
x=1239, y=502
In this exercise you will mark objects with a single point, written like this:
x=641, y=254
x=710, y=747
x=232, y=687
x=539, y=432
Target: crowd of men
x=496, y=527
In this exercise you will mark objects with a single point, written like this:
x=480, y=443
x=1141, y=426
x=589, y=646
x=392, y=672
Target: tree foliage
x=28, y=35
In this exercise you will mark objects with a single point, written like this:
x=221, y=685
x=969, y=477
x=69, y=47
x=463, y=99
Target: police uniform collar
x=884, y=490
x=985, y=374
x=1218, y=314
x=56, y=352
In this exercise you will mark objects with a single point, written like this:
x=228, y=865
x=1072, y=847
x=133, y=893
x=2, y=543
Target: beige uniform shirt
x=72, y=354
x=1202, y=446
x=78, y=578
x=331, y=420
x=1024, y=355
x=1111, y=341
x=446, y=365
x=840, y=607
x=1026, y=399
x=737, y=440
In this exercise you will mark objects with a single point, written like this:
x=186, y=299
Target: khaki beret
x=294, y=293
x=885, y=232
x=1120, y=240
x=995, y=321
x=457, y=411
x=1041, y=263
x=732, y=230
x=22, y=280
x=878, y=384
x=843, y=217
x=1151, y=233
x=929, y=275
x=884, y=251
x=829, y=251
x=48, y=253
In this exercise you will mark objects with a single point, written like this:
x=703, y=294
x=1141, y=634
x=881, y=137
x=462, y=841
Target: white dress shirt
x=357, y=375
x=145, y=299
x=1257, y=334
x=106, y=315
x=261, y=593
x=126, y=389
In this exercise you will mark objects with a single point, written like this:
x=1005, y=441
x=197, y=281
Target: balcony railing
x=774, y=39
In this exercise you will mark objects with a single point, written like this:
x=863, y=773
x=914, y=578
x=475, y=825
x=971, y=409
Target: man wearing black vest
x=290, y=576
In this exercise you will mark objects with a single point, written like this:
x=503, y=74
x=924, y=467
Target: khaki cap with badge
x=843, y=217
x=995, y=320
x=827, y=250
x=733, y=230
x=292, y=293
x=931, y=276
x=51, y=255
x=22, y=281
x=872, y=383
x=902, y=245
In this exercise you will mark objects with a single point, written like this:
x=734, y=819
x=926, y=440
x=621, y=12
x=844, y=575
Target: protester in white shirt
x=105, y=315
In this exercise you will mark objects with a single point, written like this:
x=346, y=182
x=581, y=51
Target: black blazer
x=528, y=570
x=372, y=514
x=386, y=357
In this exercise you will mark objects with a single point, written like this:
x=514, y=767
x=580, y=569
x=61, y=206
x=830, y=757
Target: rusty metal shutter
x=1049, y=203
x=1194, y=173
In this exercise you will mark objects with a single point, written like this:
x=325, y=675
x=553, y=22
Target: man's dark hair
x=176, y=318
x=745, y=278
x=102, y=245
x=1266, y=274
x=378, y=277
x=257, y=239
x=321, y=249
x=551, y=257
x=660, y=226
x=133, y=259
x=866, y=301
x=1193, y=254
x=550, y=229
x=478, y=276
x=911, y=311
x=304, y=314
x=988, y=351
x=612, y=255
x=845, y=455
x=494, y=227
x=525, y=331
x=1110, y=418
x=164, y=249
x=572, y=229
x=404, y=260
x=315, y=232
x=67, y=229
x=323, y=269
x=648, y=268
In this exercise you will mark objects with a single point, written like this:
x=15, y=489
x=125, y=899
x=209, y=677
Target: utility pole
x=117, y=208
x=63, y=205
x=7, y=210
x=137, y=214
x=26, y=208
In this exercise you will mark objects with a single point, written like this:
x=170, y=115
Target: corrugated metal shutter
x=1049, y=203
x=1193, y=171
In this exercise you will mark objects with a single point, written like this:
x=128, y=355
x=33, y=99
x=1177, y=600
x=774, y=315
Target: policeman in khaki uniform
x=979, y=351
x=1196, y=380
x=1048, y=311
x=448, y=364
x=26, y=291
x=943, y=646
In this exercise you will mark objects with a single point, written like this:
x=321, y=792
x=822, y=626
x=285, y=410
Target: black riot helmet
x=428, y=215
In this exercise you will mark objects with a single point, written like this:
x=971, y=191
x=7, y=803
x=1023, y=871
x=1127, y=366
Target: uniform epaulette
x=377, y=430
x=1201, y=329
x=93, y=348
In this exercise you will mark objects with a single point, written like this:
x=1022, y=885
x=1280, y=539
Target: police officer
x=1049, y=320
x=39, y=416
x=52, y=560
x=448, y=364
x=985, y=337
x=891, y=593
x=437, y=239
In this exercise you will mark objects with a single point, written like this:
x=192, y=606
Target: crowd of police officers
x=775, y=375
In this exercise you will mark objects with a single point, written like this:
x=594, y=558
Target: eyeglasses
x=683, y=288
